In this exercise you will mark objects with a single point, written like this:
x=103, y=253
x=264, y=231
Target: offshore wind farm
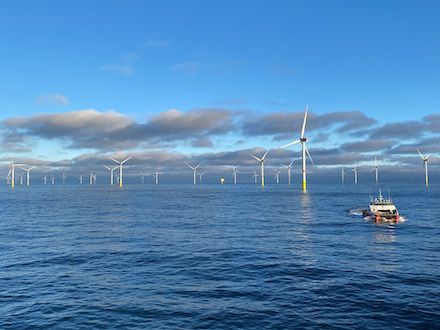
x=233, y=165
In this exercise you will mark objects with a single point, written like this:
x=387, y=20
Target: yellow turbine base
x=304, y=186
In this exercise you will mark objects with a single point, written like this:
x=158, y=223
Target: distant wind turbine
x=28, y=174
x=262, y=160
x=52, y=179
x=234, y=173
x=355, y=170
x=303, y=141
x=80, y=179
x=194, y=168
x=45, y=179
x=343, y=175
x=21, y=179
x=201, y=174
x=289, y=167
x=120, y=167
x=425, y=162
x=156, y=176
x=255, y=177
x=11, y=173
x=277, y=175
x=376, y=170
x=111, y=169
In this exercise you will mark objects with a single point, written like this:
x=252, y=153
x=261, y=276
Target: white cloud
x=52, y=99
x=186, y=67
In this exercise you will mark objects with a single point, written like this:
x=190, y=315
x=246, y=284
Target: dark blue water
x=214, y=256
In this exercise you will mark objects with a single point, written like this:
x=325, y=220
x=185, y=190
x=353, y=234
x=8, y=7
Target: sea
x=217, y=257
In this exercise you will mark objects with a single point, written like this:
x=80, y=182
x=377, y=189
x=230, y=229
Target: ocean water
x=212, y=256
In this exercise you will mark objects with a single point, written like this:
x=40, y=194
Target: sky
x=213, y=81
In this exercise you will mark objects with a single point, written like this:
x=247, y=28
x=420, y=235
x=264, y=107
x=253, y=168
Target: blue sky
x=143, y=58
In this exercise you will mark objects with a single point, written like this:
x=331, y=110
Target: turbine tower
x=21, y=179
x=11, y=173
x=120, y=168
x=262, y=160
x=64, y=178
x=28, y=174
x=289, y=167
x=303, y=141
x=343, y=175
x=52, y=179
x=80, y=179
x=425, y=161
x=376, y=170
x=234, y=174
x=194, y=168
x=111, y=169
x=142, y=177
x=45, y=179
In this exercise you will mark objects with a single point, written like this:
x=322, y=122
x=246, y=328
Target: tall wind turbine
x=355, y=170
x=11, y=173
x=425, y=161
x=194, y=168
x=289, y=167
x=120, y=167
x=234, y=173
x=262, y=160
x=376, y=170
x=111, y=169
x=28, y=174
x=303, y=141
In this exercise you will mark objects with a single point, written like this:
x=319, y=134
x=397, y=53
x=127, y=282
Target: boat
x=382, y=210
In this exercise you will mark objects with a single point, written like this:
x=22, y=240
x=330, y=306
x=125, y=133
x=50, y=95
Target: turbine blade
x=420, y=153
x=116, y=161
x=291, y=163
x=256, y=158
x=304, y=122
x=262, y=158
x=190, y=166
x=289, y=144
x=308, y=154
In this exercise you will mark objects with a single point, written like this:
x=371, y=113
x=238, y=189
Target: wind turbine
x=234, y=174
x=120, y=168
x=21, y=179
x=156, y=176
x=11, y=173
x=376, y=169
x=111, y=169
x=63, y=176
x=142, y=177
x=255, y=177
x=277, y=175
x=303, y=141
x=28, y=174
x=343, y=175
x=45, y=179
x=52, y=179
x=355, y=170
x=425, y=161
x=201, y=174
x=80, y=179
x=289, y=167
x=91, y=178
x=194, y=168
x=262, y=160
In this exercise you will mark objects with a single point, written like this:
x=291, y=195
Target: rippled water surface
x=211, y=256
